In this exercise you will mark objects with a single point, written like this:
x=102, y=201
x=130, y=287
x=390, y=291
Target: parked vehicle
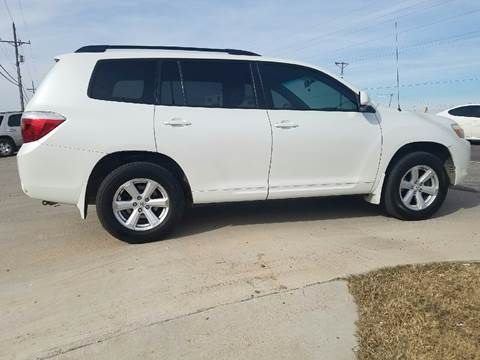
x=144, y=132
x=468, y=117
x=10, y=133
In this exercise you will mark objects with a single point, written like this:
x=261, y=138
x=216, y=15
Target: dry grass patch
x=419, y=312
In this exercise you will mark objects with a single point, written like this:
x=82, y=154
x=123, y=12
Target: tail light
x=37, y=124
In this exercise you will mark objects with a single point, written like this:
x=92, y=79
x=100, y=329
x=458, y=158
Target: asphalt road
x=243, y=281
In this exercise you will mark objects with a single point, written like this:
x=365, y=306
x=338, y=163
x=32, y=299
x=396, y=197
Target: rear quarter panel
x=93, y=129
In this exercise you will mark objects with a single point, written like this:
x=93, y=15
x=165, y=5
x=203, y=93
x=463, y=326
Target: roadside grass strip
x=429, y=311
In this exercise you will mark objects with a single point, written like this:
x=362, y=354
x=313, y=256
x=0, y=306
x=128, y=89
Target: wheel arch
x=8, y=138
x=434, y=148
x=431, y=147
x=113, y=160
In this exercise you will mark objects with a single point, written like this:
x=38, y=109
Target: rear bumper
x=55, y=173
x=461, y=154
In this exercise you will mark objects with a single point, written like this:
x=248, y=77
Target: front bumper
x=461, y=153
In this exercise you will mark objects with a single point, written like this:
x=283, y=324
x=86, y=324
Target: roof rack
x=103, y=48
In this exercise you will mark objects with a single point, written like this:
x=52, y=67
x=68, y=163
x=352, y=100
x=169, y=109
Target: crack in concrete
x=52, y=353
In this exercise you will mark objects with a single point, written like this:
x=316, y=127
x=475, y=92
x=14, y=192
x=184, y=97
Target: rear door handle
x=12, y=130
x=286, y=124
x=177, y=122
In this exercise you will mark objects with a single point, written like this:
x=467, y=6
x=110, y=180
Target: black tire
x=391, y=200
x=7, y=147
x=144, y=170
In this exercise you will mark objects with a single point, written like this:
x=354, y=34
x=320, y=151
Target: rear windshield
x=129, y=80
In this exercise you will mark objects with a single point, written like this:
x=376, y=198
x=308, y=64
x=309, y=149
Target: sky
x=438, y=40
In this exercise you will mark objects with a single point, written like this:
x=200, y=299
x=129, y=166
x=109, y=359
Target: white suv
x=143, y=132
x=10, y=133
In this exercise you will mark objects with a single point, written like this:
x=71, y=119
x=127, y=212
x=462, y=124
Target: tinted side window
x=170, y=89
x=225, y=84
x=14, y=120
x=127, y=80
x=476, y=111
x=467, y=111
x=298, y=88
x=1, y=119
x=460, y=111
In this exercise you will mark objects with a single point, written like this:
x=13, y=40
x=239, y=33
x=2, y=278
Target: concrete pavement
x=69, y=290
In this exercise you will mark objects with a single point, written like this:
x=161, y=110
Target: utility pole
x=342, y=65
x=398, y=71
x=18, y=59
x=32, y=89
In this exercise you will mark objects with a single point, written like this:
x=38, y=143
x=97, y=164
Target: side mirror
x=366, y=105
x=364, y=99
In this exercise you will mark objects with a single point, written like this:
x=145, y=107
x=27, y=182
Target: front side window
x=294, y=87
x=14, y=120
x=1, y=119
x=124, y=80
x=212, y=83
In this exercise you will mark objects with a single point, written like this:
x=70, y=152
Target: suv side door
x=322, y=143
x=207, y=119
x=13, y=128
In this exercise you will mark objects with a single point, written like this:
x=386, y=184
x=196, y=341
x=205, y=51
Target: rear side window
x=467, y=111
x=1, y=119
x=129, y=80
x=14, y=120
x=224, y=84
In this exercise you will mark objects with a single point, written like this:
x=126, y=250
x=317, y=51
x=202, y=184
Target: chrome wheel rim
x=141, y=204
x=419, y=187
x=5, y=148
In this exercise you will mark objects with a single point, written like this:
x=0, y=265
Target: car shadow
x=205, y=218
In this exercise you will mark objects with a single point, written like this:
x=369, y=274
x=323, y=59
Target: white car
x=468, y=117
x=143, y=132
x=10, y=133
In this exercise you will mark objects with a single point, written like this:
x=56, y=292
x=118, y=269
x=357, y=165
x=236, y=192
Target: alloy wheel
x=419, y=187
x=5, y=148
x=141, y=204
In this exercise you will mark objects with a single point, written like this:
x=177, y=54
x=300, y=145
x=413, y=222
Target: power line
x=419, y=46
x=281, y=50
x=427, y=83
x=32, y=57
x=8, y=79
x=8, y=10
x=449, y=18
x=6, y=72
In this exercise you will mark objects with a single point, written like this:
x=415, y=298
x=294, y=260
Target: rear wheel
x=416, y=187
x=140, y=202
x=7, y=147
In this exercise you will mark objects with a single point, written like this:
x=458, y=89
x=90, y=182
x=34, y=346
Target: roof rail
x=103, y=48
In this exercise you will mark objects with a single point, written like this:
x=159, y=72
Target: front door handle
x=286, y=124
x=177, y=122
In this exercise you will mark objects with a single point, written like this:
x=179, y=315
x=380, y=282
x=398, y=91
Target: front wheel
x=140, y=202
x=416, y=187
